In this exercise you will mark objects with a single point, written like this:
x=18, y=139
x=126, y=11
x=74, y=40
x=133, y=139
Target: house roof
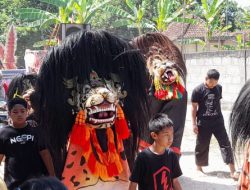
x=177, y=31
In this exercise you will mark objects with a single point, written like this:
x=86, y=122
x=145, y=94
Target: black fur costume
x=156, y=47
x=240, y=119
x=77, y=57
x=240, y=132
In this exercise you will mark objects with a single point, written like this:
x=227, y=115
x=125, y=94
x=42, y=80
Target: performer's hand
x=195, y=129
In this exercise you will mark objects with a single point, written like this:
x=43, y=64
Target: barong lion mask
x=91, y=87
x=167, y=92
x=99, y=98
x=99, y=115
x=168, y=84
x=164, y=71
x=165, y=65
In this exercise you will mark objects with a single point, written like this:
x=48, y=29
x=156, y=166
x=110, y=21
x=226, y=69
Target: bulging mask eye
x=111, y=98
x=94, y=100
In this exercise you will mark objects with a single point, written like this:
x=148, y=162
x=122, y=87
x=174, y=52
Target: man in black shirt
x=24, y=149
x=157, y=167
x=207, y=119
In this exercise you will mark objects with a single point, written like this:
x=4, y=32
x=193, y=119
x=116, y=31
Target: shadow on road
x=191, y=184
x=187, y=153
x=219, y=174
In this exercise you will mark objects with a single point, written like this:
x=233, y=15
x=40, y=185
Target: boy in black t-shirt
x=157, y=167
x=207, y=119
x=23, y=148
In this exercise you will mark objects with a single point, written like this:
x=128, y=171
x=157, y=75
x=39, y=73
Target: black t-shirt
x=153, y=171
x=21, y=149
x=208, y=102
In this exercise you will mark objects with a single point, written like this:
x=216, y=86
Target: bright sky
x=243, y=3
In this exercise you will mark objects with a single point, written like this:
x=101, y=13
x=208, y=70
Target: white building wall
x=230, y=64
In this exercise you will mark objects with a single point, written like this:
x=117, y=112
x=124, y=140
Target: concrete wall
x=234, y=67
x=194, y=48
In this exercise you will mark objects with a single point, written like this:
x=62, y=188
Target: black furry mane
x=240, y=118
x=77, y=57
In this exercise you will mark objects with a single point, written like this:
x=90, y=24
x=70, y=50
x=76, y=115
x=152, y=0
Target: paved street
x=217, y=173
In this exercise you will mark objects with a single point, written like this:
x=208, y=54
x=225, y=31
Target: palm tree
x=211, y=11
x=33, y=17
x=134, y=17
x=69, y=11
x=84, y=10
x=167, y=13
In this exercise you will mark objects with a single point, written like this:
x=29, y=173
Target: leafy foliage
x=71, y=11
x=247, y=18
x=133, y=17
x=68, y=11
x=105, y=14
x=168, y=12
x=233, y=15
x=211, y=11
x=25, y=36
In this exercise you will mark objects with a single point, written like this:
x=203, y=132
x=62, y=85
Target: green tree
x=8, y=16
x=65, y=11
x=211, y=11
x=233, y=15
x=69, y=11
x=151, y=14
x=133, y=16
x=168, y=12
x=247, y=18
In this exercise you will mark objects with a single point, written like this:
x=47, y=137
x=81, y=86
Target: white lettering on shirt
x=22, y=139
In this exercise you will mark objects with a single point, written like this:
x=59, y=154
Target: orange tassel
x=92, y=164
x=121, y=125
x=106, y=164
x=112, y=169
x=77, y=135
x=119, y=145
x=102, y=171
x=98, y=149
x=112, y=154
x=79, y=132
x=111, y=143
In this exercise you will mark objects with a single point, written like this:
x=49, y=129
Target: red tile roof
x=176, y=31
